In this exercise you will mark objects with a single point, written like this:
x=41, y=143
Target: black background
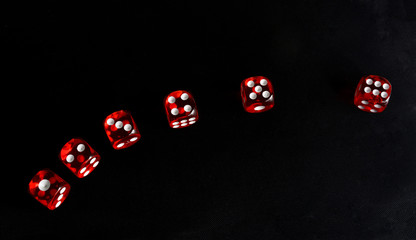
x=313, y=167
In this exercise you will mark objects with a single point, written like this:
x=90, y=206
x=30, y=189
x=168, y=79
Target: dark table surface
x=313, y=167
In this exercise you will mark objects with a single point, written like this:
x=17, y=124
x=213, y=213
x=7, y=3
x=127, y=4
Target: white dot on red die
x=252, y=95
x=83, y=170
x=176, y=126
x=184, y=124
x=263, y=82
x=93, y=160
x=119, y=124
x=373, y=110
x=367, y=89
x=127, y=127
x=258, y=89
x=174, y=111
x=384, y=94
x=377, y=84
x=360, y=107
x=62, y=190
x=57, y=204
x=376, y=92
x=266, y=94
x=184, y=96
x=70, y=158
x=369, y=81
x=44, y=185
x=60, y=197
x=171, y=99
x=110, y=121
x=377, y=106
x=80, y=147
x=386, y=86
x=133, y=139
x=258, y=108
x=187, y=108
x=192, y=118
x=364, y=102
x=86, y=173
x=120, y=145
x=191, y=122
x=175, y=123
x=250, y=83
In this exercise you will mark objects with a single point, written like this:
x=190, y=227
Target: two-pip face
x=79, y=157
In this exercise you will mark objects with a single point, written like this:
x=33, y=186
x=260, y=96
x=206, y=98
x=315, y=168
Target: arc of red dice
x=372, y=95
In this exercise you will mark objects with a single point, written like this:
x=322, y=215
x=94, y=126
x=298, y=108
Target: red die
x=121, y=129
x=372, y=93
x=257, y=94
x=48, y=188
x=79, y=157
x=181, y=109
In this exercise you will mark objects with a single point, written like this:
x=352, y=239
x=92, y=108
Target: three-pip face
x=121, y=129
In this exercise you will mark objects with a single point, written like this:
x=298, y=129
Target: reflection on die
x=121, y=129
x=49, y=189
x=180, y=109
x=257, y=94
x=372, y=94
x=79, y=157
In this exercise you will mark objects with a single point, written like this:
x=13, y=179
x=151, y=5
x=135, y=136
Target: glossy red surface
x=180, y=109
x=372, y=94
x=121, y=129
x=79, y=157
x=49, y=189
x=257, y=94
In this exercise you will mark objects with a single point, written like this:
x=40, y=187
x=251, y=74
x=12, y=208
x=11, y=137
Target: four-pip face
x=180, y=109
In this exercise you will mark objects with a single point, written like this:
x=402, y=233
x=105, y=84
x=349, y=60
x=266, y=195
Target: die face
x=79, y=157
x=257, y=94
x=49, y=189
x=121, y=129
x=181, y=109
x=372, y=94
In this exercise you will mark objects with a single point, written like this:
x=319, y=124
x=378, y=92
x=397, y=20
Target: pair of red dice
x=372, y=94
x=49, y=188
